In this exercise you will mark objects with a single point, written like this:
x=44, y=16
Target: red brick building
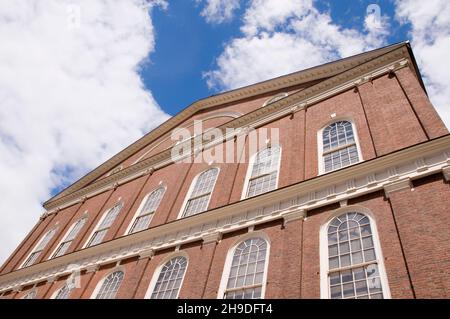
x=350, y=200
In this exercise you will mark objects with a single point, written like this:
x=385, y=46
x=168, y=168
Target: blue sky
x=81, y=80
x=187, y=46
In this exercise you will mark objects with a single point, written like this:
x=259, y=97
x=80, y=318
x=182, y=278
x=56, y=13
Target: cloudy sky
x=80, y=80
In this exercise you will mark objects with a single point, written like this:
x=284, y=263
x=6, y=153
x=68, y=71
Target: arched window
x=170, y=279
x=147, y=209
x=353, y=267
x=39, y=248
x=263, y=174
x=30, y=295
x=102, y=228
x=200, y=193
x=339, y=147
x=246, y=275
x=68, y=239
x=63, y=293
x=275, y=98
x=110, y=286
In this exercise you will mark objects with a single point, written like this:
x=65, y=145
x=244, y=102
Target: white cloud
x=430, y=21
x=218, y=11
x=70, y=97
x=283, y=36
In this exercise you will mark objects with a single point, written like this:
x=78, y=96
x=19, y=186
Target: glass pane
x=335, y=279
x=367, y=242
x=356, y=245
x=348, y=290
x=359, y=273
x=336, y=292
x=369, y=255
x=170, y=278
x=332, y=238
x=357, y=258
x=347, y=276
x=344, y=248
x=333, y=250
x=361, y=287
x=345, y=260
x=334, y=262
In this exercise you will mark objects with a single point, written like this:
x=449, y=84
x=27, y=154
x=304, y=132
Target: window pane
x=97, y=237
x=170, y=279
x=110, y=286
x=249, y=264
x=152, y=202
x=264, y=171
x=354, y=247
x=199, y=198
x=63, y=293
x=336, y=136
x=141, y=223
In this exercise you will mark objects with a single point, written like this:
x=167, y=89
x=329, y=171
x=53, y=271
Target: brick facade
x=390, y=113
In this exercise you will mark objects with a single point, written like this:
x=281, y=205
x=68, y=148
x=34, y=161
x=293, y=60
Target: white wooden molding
x=397, y=186
x=361, y=179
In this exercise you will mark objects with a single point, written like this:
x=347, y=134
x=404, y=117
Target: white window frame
x=101, y=281
x=55, y=293
x=324, y=266
x=63, y=239
x=275, y=98
x=158, y=269
x=32, y=291
x=100, y=222
x=229, y=260
x=320, y=145
x=55, y=228
x=248, y=175
x=141, y=207
x=191, y=189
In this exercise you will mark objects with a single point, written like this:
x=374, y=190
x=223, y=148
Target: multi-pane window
x=339, y=146
x=246, y=277
x=67, y=241
x=353, y=270
x=170, y=279
x=147, y=211
x=30, y=295
x=201, y=193
x=39, y=248
x=102, y=229
x=110, y=285
x=63, y=293
x=264, y=172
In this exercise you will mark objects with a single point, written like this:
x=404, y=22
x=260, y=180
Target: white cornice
x=364, y=178
x=310, y=75
x=276, y=110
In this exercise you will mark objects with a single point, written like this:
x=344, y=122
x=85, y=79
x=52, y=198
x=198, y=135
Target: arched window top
x=148, y=207
x=275, y=98
x=264, y=171
x=246, y=274
x=110, y=285
x=200, y=193
x=68, y=239
x=102, y=228
x=354, y=270
x=339, y=147
x=31, y=295
x=170, y=279
x=63, y=293
x=338, y=134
